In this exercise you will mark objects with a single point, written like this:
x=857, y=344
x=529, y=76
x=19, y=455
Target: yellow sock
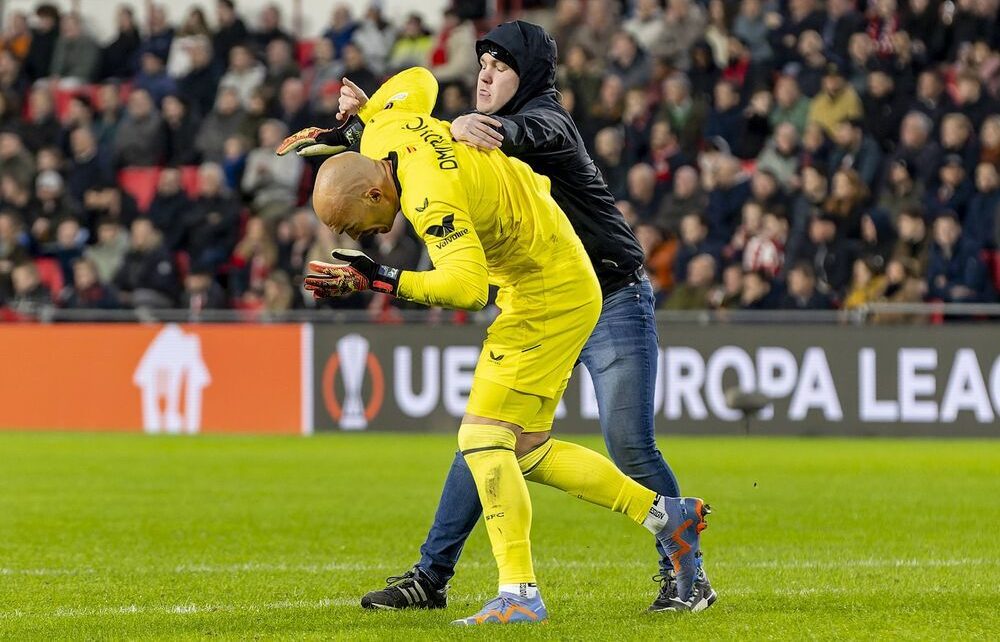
x=583, y=473
x=489, y=452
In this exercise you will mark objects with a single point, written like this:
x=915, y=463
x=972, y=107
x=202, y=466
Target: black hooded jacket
x=538, y=131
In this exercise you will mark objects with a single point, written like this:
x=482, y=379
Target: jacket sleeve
x=531, y=132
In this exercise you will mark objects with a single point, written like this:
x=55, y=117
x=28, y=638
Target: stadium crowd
x=768, y=155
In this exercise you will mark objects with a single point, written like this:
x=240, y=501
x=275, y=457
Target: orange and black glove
x=316, y=141
x=357, y=273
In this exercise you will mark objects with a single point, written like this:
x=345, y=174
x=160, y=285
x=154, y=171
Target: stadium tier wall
x=305, y=379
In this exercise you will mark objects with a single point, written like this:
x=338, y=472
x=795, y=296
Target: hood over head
x=530, y=52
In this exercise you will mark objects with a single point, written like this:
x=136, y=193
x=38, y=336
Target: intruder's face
x=496, y=85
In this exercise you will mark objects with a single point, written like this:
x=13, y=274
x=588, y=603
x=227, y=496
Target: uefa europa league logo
x=352, y=351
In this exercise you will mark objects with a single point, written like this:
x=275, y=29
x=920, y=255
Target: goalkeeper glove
x=316, y=141
x=357, y=273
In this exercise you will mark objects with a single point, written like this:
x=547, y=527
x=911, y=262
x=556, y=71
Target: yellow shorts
x=495, y=401
x=546, y=318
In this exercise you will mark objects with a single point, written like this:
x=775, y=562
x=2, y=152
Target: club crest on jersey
x=424, y=207
x=441, y=231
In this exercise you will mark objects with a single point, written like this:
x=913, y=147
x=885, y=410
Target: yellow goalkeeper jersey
x=485, y=218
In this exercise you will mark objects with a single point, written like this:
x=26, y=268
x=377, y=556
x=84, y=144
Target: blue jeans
x=620, y=355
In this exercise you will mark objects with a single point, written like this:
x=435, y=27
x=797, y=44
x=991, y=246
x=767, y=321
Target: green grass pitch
x=112, y=536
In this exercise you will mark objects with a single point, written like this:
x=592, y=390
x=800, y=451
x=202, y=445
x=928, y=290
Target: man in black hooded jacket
x=621, y=354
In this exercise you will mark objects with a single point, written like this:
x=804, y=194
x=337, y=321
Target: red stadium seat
x=140, y=182
x=189, y=180
x=304, y=52
x=50, y=274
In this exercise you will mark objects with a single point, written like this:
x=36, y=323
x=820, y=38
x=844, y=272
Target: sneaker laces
x=667, y=582
x=396, y=580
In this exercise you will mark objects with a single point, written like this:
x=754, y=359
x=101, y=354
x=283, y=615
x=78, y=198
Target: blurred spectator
x=842, y=21
x=883, y=108
x=42, y=127
x=279, y=297
x=280, y=67
x=758, y=292
x=790, y=106
x=201, y=82
x=38, y=63
x=139, y=140
x=201, y=291
x=453, y=102
x=901, y=191
x=867, y=286
x=765, y=251
x=15, y=161
x=780, y=156
x=829, y=254
x=728, y=189
x=16, y=36
x=608, y=109
x=85, y=167
x=693, y=293
x=684, y=24
x=244, y=73
x=18, y=198
x=235, y=160
x=665, y=155
x=219, y=125
x=913, y=242
x=396, y=247
x=989, y=140
x=108, y=201
x=902, y=285
x=273, y=180
x=686, y=115
x=374, y=37
x=836, y=102
x=694, y=240
x=954, y=272
x=230, y=31
x=642, y=191
x=609, y=157
x=30, y=296
x=878, y=238
x=972, y=102
x=13, y=82
x=13, y=250
x=153, y=77
x=181, y=128
x=984, y=208
x=450, y=58
x=326, y=71
x=169, y=208
x=646, y=25
x=159, y=32
x=755, y=128
x=212, y=224
x=846, y=202
x=750, y=26
x=659, y=254
x=801, y=293
x=726, y=296
x=686, y=198
x=725, y=117
x=295, y=236
x=119, y=57
x=109, y=117
x=53, y=202
x=857, y=151
x=86, y=291
x=193, y=30
x=812, y=65
x=931, y=98
x=254, y=259
x=357, y=70
x=293, y=105
x=77, y=56
x=147, y=276
x=917, y=148
x=254, y=115
x=952, y=191
x=627, y=61
x=342, y=27
x=108, y=253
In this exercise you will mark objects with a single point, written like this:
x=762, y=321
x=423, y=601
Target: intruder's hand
x=352, y=99
x=477, y=130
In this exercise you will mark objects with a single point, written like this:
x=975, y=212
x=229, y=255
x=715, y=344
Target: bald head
x=355, y=195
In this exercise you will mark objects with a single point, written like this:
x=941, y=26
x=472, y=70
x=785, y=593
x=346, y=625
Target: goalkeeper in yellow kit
x=488, y=219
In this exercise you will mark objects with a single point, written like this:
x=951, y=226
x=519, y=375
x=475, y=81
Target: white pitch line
x=330, y=567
